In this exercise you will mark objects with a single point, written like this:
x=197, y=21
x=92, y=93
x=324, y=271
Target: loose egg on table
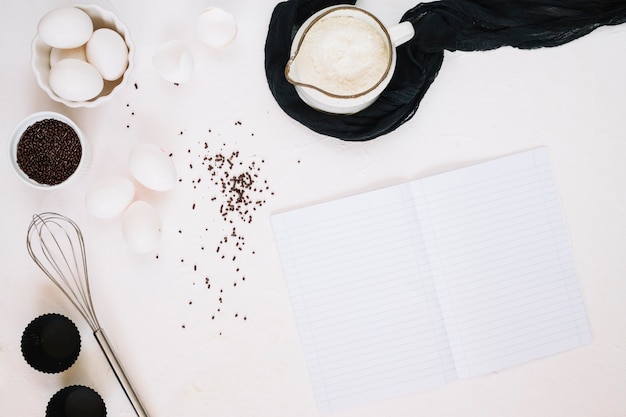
x=152, y=167
x=141, y=227
x=109, y=197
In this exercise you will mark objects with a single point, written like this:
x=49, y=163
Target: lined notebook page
x=502, y=263
x=411, y=286
x=363, y=299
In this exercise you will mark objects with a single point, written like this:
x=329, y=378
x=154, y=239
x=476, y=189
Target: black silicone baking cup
x=76, y=401
x=51, y=343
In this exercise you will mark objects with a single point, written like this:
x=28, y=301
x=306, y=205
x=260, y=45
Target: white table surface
x=481, y=106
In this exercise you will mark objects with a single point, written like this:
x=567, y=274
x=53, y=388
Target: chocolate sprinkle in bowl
x=48, y=150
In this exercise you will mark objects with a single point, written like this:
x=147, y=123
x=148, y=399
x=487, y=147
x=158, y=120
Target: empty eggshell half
x=216, y=27
x=174, y=62
x=109, y=197
x=141, y=227
x=152, y=167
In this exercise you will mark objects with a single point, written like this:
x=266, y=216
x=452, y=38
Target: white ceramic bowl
x=17, y=135
x=40, y=58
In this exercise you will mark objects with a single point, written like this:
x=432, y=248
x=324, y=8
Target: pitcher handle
x=401, y=33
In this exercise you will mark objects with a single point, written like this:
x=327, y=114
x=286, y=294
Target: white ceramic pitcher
x=344, y=103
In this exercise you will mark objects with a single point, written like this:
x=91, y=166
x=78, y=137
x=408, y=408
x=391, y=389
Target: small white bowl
x=17, y=135
x=40, y=58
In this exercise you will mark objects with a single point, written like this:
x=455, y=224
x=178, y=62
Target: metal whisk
x=56, y=245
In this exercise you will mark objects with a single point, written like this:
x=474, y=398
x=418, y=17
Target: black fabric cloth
x=464, y=25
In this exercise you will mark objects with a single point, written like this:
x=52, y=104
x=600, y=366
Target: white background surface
x=481, y=106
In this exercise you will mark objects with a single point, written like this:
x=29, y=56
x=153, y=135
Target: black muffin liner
x=76, y=401
x=51, y=343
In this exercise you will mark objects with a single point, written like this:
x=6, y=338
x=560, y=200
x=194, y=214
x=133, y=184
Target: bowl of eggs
x=81, y=55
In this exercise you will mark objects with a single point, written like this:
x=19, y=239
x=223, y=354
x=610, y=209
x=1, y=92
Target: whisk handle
x=127, y=386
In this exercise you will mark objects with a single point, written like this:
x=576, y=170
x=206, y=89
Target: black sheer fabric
x=452, y=25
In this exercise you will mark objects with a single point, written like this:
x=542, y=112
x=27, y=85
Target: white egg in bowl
x=117, y=55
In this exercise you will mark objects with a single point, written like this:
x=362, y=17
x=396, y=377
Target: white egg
x=109, y=197
x=216, y=27
x=75, y=80
x=141, y=227
x=152, y=167
x=174, y=62
x=107, y=51
x=66, y=27
x=59, y=54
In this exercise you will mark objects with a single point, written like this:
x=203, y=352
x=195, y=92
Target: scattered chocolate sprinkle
x=231, y=184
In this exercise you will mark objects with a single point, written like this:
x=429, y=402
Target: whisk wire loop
x=61, y=254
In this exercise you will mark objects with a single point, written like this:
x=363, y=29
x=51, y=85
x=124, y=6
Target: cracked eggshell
x=109, y=197
x=216, y=27
x=141, y=227
x=174, y=62
x=152, y=167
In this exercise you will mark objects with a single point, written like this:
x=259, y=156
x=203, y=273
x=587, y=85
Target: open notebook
x=411, y=286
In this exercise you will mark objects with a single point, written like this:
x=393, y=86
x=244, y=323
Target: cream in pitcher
x=342, y=55
x=342, y=58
